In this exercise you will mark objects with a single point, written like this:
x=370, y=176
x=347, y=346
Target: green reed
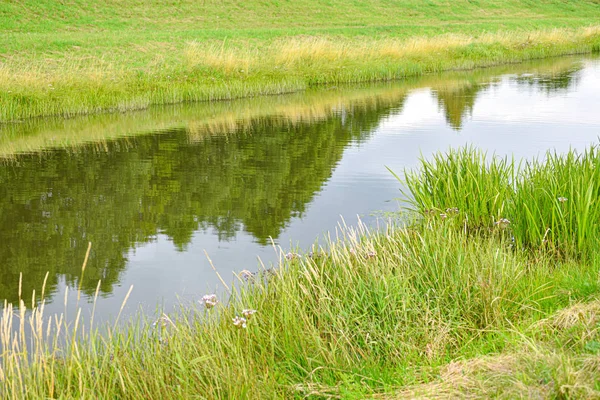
x=550, y=203
x=462, y=181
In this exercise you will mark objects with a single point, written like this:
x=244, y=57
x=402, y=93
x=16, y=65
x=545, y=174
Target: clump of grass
x=550, y=203
x=462, y=181
x=556, y=203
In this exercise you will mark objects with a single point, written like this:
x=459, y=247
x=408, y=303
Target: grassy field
x=459, y=303
x=78, y=57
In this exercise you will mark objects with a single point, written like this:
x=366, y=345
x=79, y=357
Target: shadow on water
x=249, y=165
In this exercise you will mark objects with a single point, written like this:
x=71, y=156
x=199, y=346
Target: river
x=156, y=191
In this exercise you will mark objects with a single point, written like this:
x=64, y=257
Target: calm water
x=225, y=179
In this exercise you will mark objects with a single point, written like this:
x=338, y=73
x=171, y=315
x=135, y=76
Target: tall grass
x=204, y=71
x=374, y=313
x=462, y=181
x=551, y=203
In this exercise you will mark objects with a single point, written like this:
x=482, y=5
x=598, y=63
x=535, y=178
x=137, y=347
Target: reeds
x=375, y=311
x=544, y=204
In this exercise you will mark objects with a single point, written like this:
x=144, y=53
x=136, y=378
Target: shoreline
x=209, y=74
x=222, y=118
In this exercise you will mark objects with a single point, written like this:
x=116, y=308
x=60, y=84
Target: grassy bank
x=72, y=58
x=450, y=305
x=208, y=119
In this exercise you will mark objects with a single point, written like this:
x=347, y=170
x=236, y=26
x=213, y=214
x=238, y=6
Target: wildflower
x=502, y=223
x=430, y=212
x=562, y=199
x=161, y=325
x=239, y=322
x=163, y=322
x=269, y=272
x=353, y=252
x=291, y=256
x=443, y=215
x=247, y=313
x=210, y=300
x=370, y=254
x=452, y=210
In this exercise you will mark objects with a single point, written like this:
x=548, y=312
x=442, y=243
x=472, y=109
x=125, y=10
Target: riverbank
x=209, y=119
x=466, y=300
x=118, y=57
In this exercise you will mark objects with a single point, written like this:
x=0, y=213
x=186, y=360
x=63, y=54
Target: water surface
x=156, y=191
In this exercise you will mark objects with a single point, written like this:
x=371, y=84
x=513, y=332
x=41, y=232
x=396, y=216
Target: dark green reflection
x=123, y=193
x=457, y=99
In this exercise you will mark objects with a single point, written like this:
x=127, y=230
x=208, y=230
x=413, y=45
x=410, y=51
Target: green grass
x=80, y=57
x=549, y=204
x=427, y=310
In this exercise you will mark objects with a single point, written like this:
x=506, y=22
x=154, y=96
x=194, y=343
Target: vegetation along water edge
x=490, y=290
x=209, y=119
x=68, y=58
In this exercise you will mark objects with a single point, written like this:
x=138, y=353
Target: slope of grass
x=79, y=57
x=426, y=310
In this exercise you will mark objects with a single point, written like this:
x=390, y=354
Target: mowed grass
x=430, y=309
x=80, y=57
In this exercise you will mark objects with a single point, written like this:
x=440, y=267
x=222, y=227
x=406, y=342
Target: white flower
x=247, y=313
x=210, y=300
x=562, y=199
x=370, y=254
x=502, y=223
x=239, y=322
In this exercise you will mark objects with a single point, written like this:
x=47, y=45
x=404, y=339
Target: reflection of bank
x=125, y=192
